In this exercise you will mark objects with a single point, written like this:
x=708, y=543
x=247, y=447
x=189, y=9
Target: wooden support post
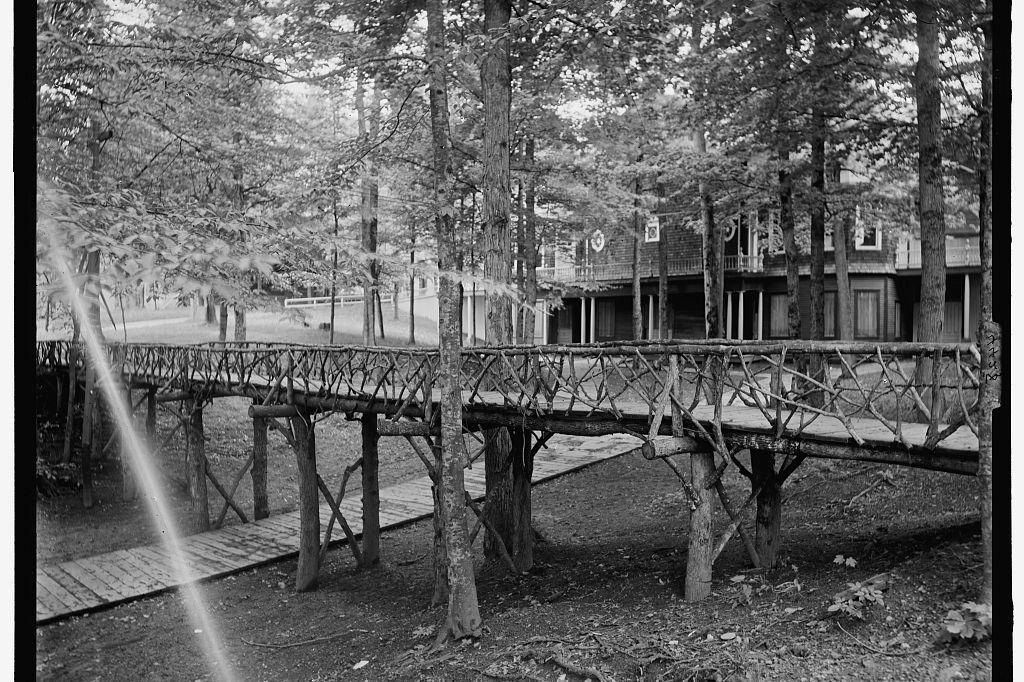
x=151, y=415
x=69, y=424
x=260, y=505
x=128, y=488
x=522, y=509
x=769, y=506
x=308, y=570
x=88, y=434
x=371, y=491
x=195, y=466
x=700, y=554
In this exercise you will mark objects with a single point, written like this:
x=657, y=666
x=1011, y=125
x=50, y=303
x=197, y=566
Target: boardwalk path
x=87, y=584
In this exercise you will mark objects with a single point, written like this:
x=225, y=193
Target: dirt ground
x=605, y=595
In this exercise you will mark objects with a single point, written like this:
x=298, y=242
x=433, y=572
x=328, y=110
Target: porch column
x=760, y=315
x=650, y=316
x=545, y=317
x=593, y=319
x=967, y=306
x=728, y=315
x=583, y=320
x=739, y=334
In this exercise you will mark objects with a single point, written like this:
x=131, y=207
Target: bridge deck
x=86, y=584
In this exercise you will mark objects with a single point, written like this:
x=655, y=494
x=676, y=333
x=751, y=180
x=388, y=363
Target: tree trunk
x=989, y=336
x=380, y=312
x=840, y=242
x=368, y=126
x=334, y=269
x=931, y=211
x=412, y=298
x=530, y=246
x=463, y=611
x=817, y=319
x=222, y=335
x=664, y=330
x=520, y=257
x=817, y=293
x=495, y=76
x=211, y=310
x=713, y=249
x=239, y=201
x=699, y=558
x=638, y=237
x=495, y=79
x=240, y=322
x=371, y=491
x=788, y=229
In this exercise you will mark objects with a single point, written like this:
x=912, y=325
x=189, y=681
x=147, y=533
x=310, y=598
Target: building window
x=830, y=314
x=829, y=244
x=865, y=311
x=779, y=316
x=547, y=256
x=605, y=319
x=899, y=320
x=867, y=239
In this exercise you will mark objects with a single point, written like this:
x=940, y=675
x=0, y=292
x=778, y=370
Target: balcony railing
x=618, y=271
x=957, y=255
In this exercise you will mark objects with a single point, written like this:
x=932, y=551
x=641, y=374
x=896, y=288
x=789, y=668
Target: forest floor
x=605, y=594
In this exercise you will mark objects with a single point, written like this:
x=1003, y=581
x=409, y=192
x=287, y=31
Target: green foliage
x=53, y=478
x=854, y=600
x=971, y=622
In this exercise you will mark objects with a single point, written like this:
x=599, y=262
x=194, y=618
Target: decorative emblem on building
x=597, y=240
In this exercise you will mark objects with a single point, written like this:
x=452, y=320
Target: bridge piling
x=304, y=445
x=258, y=473
x=371, y=490
x=151, y=415
x=765, y=480
x=195, y=464
x=128, y=488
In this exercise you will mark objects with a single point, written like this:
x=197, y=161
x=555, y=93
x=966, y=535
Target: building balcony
x=622, y=271
x=959, y=253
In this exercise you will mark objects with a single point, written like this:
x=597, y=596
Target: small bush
x=51, y=478
x=860, y=596
x=971, y=622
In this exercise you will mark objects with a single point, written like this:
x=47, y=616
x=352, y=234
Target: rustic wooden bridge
x=909, y=404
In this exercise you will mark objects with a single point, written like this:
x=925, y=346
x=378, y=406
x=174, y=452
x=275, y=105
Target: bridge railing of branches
x=786, y=386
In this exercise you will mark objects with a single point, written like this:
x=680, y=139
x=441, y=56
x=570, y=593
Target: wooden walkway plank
x=89, y=583
x=56, y=587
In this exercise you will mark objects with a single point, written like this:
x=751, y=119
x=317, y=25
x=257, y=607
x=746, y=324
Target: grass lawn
x=179, y=325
